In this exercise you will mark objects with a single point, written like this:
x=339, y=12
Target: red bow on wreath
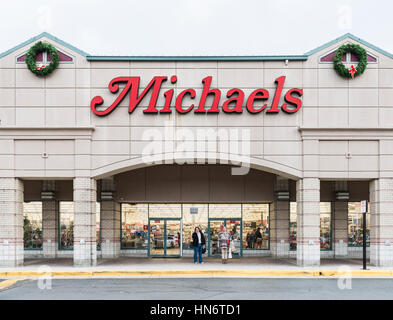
x=352, y=70
x=40, y=67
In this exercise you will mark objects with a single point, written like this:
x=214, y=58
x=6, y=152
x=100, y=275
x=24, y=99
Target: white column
x=110, y=223
x=308, y=222
x=279, y=222
x=11, y=222
x=85, y=244
x=381, y=244
x=340, y=222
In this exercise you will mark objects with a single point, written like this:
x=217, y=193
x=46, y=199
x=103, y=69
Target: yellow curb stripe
x=7, y=283
x=310, y=273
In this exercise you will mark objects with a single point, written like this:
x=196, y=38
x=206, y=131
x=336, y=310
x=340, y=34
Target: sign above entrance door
x=233, y=104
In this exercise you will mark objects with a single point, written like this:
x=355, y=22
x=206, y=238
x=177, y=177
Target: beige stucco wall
x=339, y=117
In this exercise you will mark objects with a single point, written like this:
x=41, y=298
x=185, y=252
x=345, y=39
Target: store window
x=225, y=210
x=66, y=225
x=98, y=225
x=325, y=226
x=165, y=210
x=355, y=225
x=255, y=226
x=134, y=226
x=194, y=215
x=292, y=225
x=32, y=225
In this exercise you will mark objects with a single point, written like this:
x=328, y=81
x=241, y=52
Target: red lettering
x=289, y=98
x=179, y=100
x=238, y=100
x=206, y=91
x=168, y=98
x=280, y=84
x=135, y=100
x=114, y=88
x=132, y=85
x=233, y=104
x=258, y=94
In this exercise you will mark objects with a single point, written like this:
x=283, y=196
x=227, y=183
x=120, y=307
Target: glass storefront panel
x=98, y=225
x=215, y=229
x=194, y=215
x=165, y=237
x=292, y=225
x=234, y=228
x=165, y=210
x=66, y=225
x=172, y=237
x=225, y=210
x=134, y=226
x=32, y=225
x=325, y=226
x=255, y=226
x=135, y=219
x=355, y=225
x=157, y=233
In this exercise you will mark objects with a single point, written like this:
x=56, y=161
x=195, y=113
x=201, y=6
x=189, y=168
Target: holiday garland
x=352, y=72
x=36, y=49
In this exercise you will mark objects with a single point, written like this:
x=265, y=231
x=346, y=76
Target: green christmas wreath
x=352, y=72
x=36, y=49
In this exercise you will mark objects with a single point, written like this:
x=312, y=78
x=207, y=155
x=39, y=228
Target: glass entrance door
x=165, y=237
x=234, y=227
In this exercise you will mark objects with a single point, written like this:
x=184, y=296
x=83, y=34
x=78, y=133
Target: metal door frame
x=240, y=254
x=165, y=255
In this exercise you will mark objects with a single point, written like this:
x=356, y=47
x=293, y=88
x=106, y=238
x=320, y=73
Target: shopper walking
x=198, y=241
x=224, y=242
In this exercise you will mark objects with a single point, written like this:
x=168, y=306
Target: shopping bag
x=232, y=247
x=229, y=253
x=203, y=249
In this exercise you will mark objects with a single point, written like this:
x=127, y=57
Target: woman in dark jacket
x=198, y=241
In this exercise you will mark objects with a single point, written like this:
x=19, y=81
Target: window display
x=134, y=226
x=355, y=225
x=325, y=226
x=66, y=225
x=32, y=225
x=255, y=226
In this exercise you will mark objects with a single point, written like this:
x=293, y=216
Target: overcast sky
x=191, y=27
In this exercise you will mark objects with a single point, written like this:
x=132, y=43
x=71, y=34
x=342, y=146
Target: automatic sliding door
x=173, y=237
x=165, y=237
x=157, y=233
x=233, y=226
x=215, y=227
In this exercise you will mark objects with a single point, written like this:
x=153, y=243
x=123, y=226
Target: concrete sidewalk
x=177, y=267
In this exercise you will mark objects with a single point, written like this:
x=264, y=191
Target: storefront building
x=124, y=156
